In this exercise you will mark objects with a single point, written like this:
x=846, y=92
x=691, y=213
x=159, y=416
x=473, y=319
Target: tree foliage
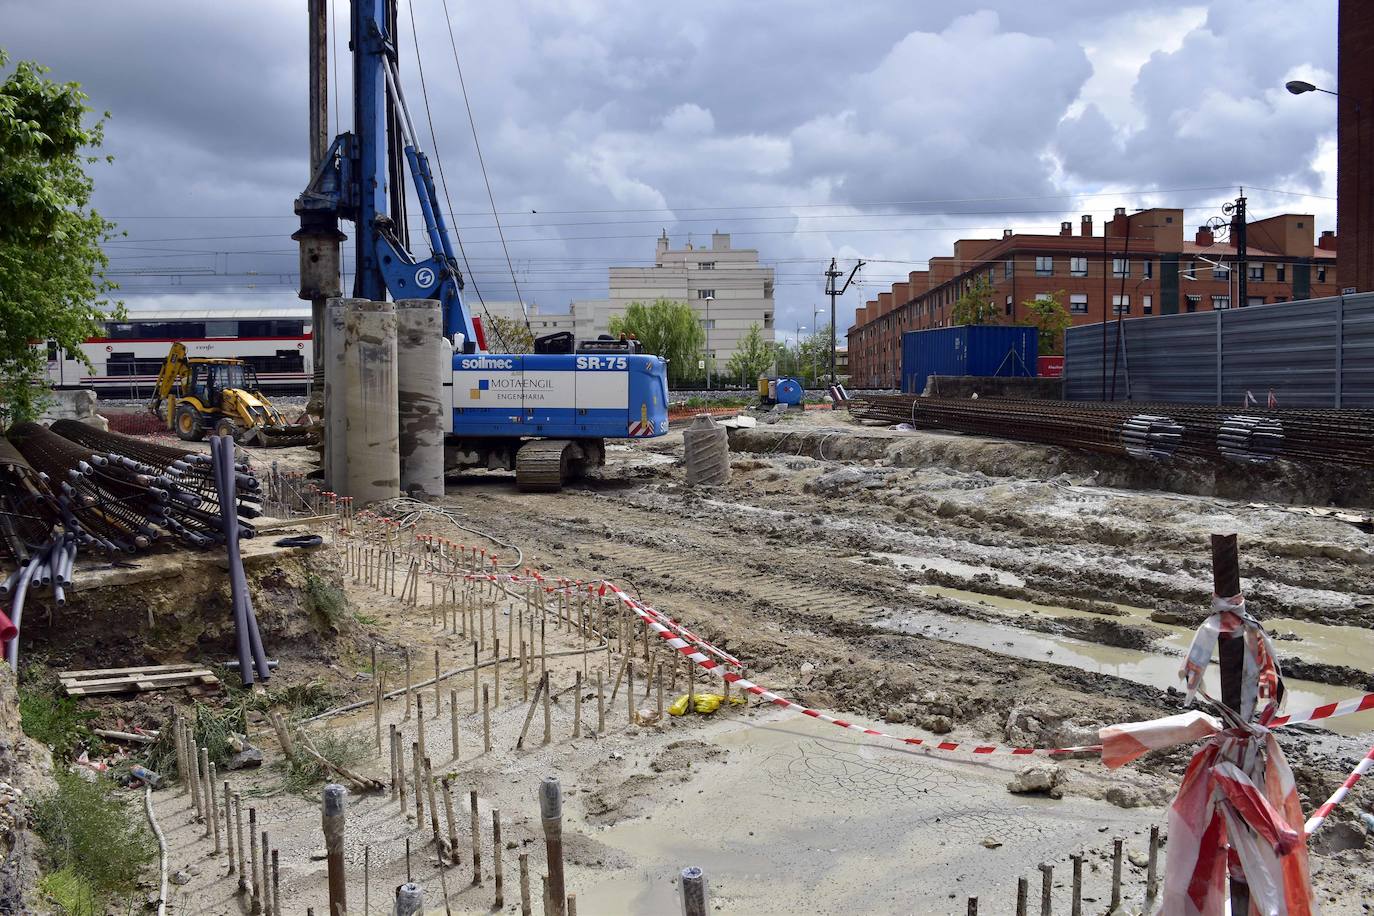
x=511, y=335
x=52, y=279
x=668, y=329
x=1051, y=319
x=752, y=356
x=975, y=306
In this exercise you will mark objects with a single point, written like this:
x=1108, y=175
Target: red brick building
x=1355, y=140
x=1140, y=265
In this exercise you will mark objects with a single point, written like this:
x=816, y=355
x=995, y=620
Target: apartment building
x=1140, y=265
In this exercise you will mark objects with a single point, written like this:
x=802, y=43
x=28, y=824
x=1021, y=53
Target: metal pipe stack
x=1145, y=430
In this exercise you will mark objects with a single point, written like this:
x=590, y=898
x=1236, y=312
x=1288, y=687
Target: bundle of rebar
x=1144, y=430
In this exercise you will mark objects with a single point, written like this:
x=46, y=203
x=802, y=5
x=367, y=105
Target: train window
x=222, y=328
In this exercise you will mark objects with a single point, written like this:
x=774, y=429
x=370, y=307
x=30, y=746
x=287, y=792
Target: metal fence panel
x=1317, y=353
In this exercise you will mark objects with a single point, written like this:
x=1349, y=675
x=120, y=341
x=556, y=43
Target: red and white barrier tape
x=1327, y=711
x=1319, y=816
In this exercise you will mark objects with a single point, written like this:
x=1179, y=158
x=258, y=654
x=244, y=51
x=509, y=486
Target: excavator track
x=543, y=465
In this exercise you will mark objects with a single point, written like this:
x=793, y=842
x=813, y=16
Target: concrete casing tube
x=335, y=418
x=370, y=401
x=420, y=337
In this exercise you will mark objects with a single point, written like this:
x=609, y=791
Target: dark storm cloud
x=627, y=106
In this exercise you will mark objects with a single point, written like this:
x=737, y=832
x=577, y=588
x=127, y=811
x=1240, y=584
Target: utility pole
x=1238, y=234
x=831, y=276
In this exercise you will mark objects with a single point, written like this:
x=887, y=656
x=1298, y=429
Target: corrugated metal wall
x=1318, y=353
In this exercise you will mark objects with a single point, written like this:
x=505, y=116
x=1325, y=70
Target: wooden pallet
x=122, y=680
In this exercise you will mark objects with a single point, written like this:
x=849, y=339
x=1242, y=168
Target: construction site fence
x=1313, y=353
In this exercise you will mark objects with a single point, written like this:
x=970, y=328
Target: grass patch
x=212, y=728
x=59, y=722
x=305, y=775
x=326, y=600
x=97, y=846
x=367, y=620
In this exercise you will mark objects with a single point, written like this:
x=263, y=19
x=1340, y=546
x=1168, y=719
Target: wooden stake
x=417, y=776
x=476, y=839
x=1076, y=901
x=332, y=817
x=496, y=857
x=433, y=807
x=394, y=780
x=214, y=802
x=496, y=675
x=452, y=824
x=577, y=707
x=1046, y=888
x=486, y=720
x=548, y=715
x=600, y=703
x=525, y=908
x=551, y=815
x=420, y=724
x=529, y=715
x=229, y=825
x=238, y=836
x=693, y=883
x=630, y=690
x=408, y=687
x=476, y=675
x=276, y=885
x=255, y=898
x=453, y=719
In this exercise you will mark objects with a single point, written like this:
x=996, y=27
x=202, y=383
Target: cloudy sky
x=882, y=129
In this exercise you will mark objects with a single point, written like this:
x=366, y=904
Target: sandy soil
x=979, y=595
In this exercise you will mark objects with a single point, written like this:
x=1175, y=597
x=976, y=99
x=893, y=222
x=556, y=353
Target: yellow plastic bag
x=706, y=703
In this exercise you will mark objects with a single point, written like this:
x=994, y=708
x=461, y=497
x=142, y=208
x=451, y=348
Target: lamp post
x=800, y=328
x=814, y=328
x=709, y=359
x=1298, y=87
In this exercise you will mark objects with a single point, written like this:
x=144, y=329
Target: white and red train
x=128, y=357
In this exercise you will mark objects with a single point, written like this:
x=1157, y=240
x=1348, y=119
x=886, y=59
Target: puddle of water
x=952, y=567
x=1151, y=668
x=1317, y=642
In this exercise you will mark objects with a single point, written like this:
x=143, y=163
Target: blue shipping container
x=969, y=349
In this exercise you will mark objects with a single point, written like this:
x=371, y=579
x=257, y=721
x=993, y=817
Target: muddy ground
x=980, y=592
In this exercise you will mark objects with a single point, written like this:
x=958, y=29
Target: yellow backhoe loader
x=196, y=395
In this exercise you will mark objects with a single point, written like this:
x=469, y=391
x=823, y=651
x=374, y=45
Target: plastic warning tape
x=1327, y=711
x=1319, y=816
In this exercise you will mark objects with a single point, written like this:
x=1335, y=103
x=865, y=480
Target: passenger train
x=127, y=359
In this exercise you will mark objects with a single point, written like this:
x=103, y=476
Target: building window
x=1147, y=303
x=1321, y=274
x=1147, y=268
x=1009, y=305
x=1256, y=271
x=1220, y=302
x=1280, y=272
x=1219, y=273
x=1254, y=300
x=1078, y=303
x=1121, y=305
x=1044, y=266
x=1192, y=302
x=1008, y=268
x=1121, y=267
x=707, y=265
x=706, y=294
x=708, y=323
x=1078, y=267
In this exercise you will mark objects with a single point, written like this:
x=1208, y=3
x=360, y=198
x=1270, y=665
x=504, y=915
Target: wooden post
x=332, y=816
x=214, y=803
x=476, y=676
x=238, y=836
x=1117, y=844
x=496, y=857
x=417, y=777
x=524, y=675
x=548, y=713
x=572, y=905
x=447, y=789
x=255, y=891
x=367, y=880
x=276, y=885
x=420, y=725
x=659, y=674
x=600, y=702
x=453, y=719
x=551, y=814
x=529, y=715
x=394, y=781
x=1022, y=893
x=1152, y=869
x=694, y=901
x=630, y=691
x=438, y=699
x=377, y=693
x=408, y=687
x=1231, y=656
x=476, y=839
x=577, y=707
x=525, y=907
x=496, y=675
x=486, y=720
x=266, y=879
x=229, y=825
x=433, y=807
x=973, y=906
x=1076, y=901
x=1046, y=887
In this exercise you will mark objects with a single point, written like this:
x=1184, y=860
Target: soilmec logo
x=486, y=362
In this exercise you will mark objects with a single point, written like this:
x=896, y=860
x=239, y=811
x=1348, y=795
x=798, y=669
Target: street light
x=1298, y=87
x=709, y=360
x=815, y=328
x=800, y=328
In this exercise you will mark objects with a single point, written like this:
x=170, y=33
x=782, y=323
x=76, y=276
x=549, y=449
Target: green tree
x=668, y=329
x=1050, y=317
x=511, y=335
x=52, y=280
x=813, y=356
x=975, y=306
x=752, y=356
